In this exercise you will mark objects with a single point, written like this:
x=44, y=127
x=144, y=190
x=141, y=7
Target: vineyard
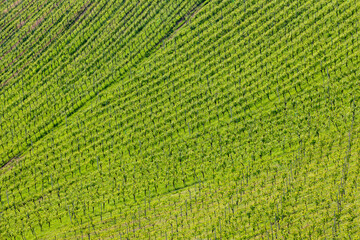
x=197, y=119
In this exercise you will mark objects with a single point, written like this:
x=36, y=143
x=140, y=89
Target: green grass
x=179, y=120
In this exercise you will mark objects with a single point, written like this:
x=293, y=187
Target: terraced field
x=175, y=119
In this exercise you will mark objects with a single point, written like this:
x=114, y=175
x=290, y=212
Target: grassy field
x=179, y=119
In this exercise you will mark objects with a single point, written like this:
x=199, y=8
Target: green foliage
x=179, y=119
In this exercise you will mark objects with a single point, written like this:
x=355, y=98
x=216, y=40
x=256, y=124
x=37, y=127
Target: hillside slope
x=179, y=119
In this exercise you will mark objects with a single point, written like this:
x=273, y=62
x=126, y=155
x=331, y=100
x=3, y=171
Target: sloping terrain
x=179, y=119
